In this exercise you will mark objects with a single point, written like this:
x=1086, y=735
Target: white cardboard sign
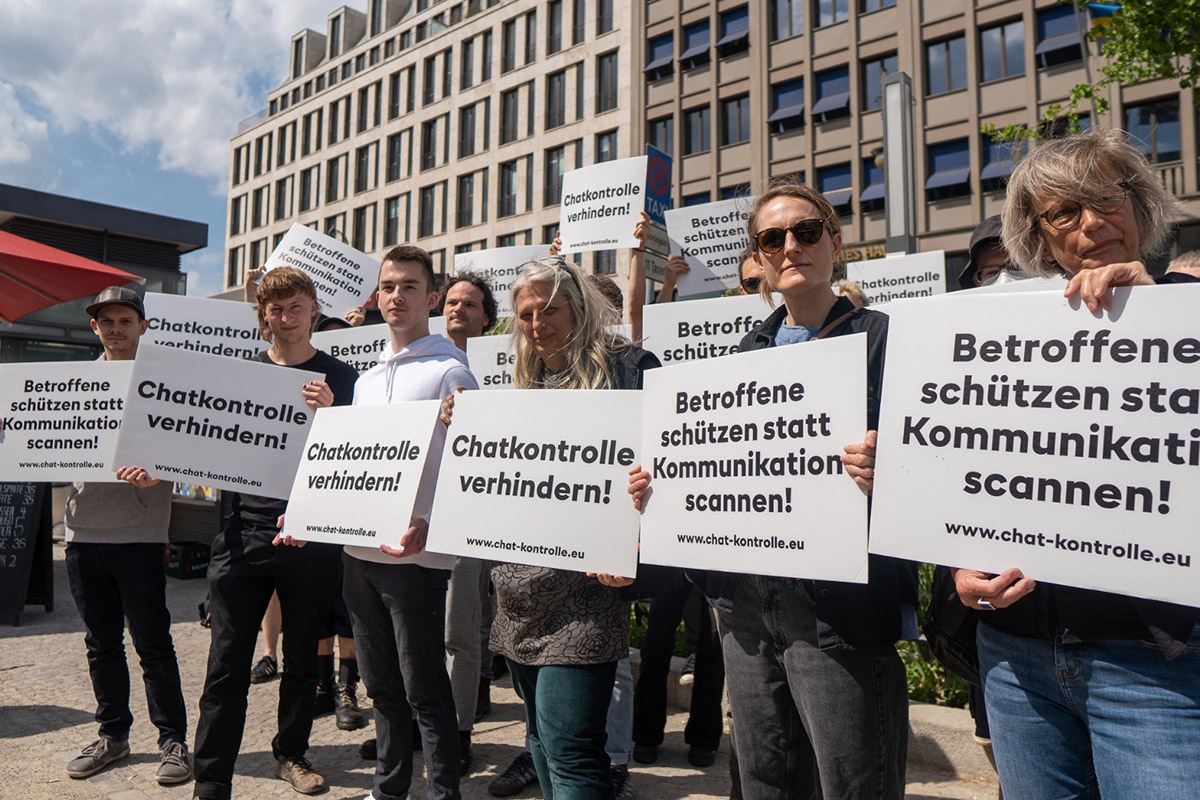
x=360, y=472
x=700, y=328
x=602, y=204
x=501, y=265
x=215, y=421
x=711, y=237
x=1022, y=430
x=491, y=360
x=539, y=477
x=359, y=347
x=745, y=462
x=344, y=277
x=59, y=421
x=900, y=277
x=220, y=327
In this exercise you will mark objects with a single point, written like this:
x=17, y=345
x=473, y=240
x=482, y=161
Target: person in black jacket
x=815, y=684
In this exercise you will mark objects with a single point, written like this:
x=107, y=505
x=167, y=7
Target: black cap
x=987, y=233
x=117, y=296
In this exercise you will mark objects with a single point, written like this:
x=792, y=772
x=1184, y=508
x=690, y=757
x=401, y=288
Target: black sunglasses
x=807, y=233
x=750, y=285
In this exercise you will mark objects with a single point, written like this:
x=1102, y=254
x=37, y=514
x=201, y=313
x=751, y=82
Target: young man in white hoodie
x=397, y=597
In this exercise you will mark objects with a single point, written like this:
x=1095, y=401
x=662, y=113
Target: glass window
x=735, y=31
x=946, y=65
x=697, y=198
x=485, y=69
x=1002, y=51
x=556, y=158
x=466, y=131
x=1154, y=128
x=695, y=45
x=871, y=198
x=787, y=105
x=464, y=215
x=1059, y=38
x=866, y=6
x=872, y=80
x=362, y=169
x=391, y=221
x=735, y=120
x=786, y=18
x=429, y=88
x=466, y=68
x=661, y=133
x=426, y=211
x=554, y=22
x=837, y=185
x=429, y=144
x=393, y=157
x=949, y=170
x=556, y=99
x=998, y=163
x=447, y=72
x=697, y=127
x=508, y=46
x=606, y=81
x=508, y=190
x=394, y=95
x=335, y=37
x=530, y=37
x=578, y=21
x=660, y=56
x=831, y=11
x=509, y=108
x=606, y=146
x=832, y=97
x=604, y=16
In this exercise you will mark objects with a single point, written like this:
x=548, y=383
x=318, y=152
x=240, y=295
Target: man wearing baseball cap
x=986, y=256
x=115, y=535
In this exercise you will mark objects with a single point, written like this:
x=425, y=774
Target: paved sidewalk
x=46, y=708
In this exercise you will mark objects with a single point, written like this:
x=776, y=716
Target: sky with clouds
x=133, y=102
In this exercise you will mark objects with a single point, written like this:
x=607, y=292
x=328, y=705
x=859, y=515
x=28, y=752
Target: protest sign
x=745, y=462
x=59, y=421
x=344, y=277
x=539, y=477
x=711, y=237
x=1017, y=430
x=701, y=328
x=491, y=361
x=359, y=347
x=501, y=265
x=602, y=204
x=358, y=479
x=900, y=277
x=220, y=327
x=220, y=422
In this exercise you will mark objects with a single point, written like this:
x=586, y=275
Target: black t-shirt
x=254, y=511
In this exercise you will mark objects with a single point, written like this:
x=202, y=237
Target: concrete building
x=145, y=244
x=735, y=91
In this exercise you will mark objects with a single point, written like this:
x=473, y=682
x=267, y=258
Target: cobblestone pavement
x=46, y=708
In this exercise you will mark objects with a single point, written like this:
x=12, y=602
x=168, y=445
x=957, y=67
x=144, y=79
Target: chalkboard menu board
x=24, y=548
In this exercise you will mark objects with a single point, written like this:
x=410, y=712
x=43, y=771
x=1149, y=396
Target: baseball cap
x=986, y=233
x=117, y=296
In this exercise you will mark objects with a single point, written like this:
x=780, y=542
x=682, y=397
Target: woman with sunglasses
x=563, y=632
x=815, y=683
x=1088, y=693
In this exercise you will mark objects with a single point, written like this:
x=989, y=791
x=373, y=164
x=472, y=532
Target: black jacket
x=848, y=614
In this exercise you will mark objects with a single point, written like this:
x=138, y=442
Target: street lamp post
x=900, y=205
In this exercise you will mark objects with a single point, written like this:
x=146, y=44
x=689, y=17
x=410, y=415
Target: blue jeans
x=810, y=723
x=1112, y=719
x=109, y=584
x=619, y=724
x=565, y=712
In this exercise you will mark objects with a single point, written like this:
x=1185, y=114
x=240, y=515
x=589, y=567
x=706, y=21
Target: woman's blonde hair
x=1072, y=168
x=790, y=187
x=590, y=343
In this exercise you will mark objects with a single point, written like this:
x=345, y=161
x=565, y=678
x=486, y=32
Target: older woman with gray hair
x=1088, y=693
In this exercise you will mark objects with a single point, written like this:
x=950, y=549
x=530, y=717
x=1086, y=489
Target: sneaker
x=96, y=756
x=645, y=753
x=175, y=766
x=464, y=753
x=369, y=750
x=687, y=675
x=349, y=718
x=483, y=705
x=520, y=773
x=622, y=785
x=299, y=773
x=325, y=702
x=264, y=670
x=701, y=756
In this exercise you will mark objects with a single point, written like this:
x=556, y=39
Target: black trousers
x=650, y=696
x=245, y=568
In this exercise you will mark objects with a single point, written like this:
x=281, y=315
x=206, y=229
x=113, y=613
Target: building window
x=871, y=197
x=554, y=22
x=508, y=190
x=531, y=37
x=661, y=133
x=831, y=11
x=660, y=56
x=364, y=106
x=429, y=144
x=510, y=103
x=335, y=37
x=786, y=18
x=447, y=72
x=872, y=80
x=410, y=99
x=832, y=98
x=998, y=163
x=1002, y=51
x=556, y=99
x=391, y=221
x=464, y=211
x=787, y=105
x=580, y=90
x=362, y=169
x=297, y=58
x=466, y=132
x=837, y=185
x=946, y=65
x=467, y=67
x=485, y=69
x=697, y=126
x=556, y=158
x=735, y=120
x=376, y=10
x=1059, y=37
x=235, y=215
x=735, y=31
x=695, y=46
x=606, y=146
x=426, y=211
x=578, y=21
x=508, y=46
x=606, y=82
x=332, y=179
x=867, y=6
x=258, y=207
x=604, y=16
x=309, y=187
x=394, y=95
x=1154, y=129
x=697, y=199
x=358, y=239
x=233, y=274
x=393, y=157
x=949, y=170
x=283, y=197
x=429, y=87
x=604, y=262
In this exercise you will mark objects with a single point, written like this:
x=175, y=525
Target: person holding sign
x=1088, y=692
x=816, y=686
x=115, y=535
x=561, y=634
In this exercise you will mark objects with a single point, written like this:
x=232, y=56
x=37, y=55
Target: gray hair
x=1185, y=262
x=590, y=342
x=1066, y=168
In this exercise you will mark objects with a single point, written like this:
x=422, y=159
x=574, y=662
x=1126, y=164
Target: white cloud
x=25, y=152
x=175, y=76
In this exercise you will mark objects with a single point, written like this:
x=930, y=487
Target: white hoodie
x=428, y=369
